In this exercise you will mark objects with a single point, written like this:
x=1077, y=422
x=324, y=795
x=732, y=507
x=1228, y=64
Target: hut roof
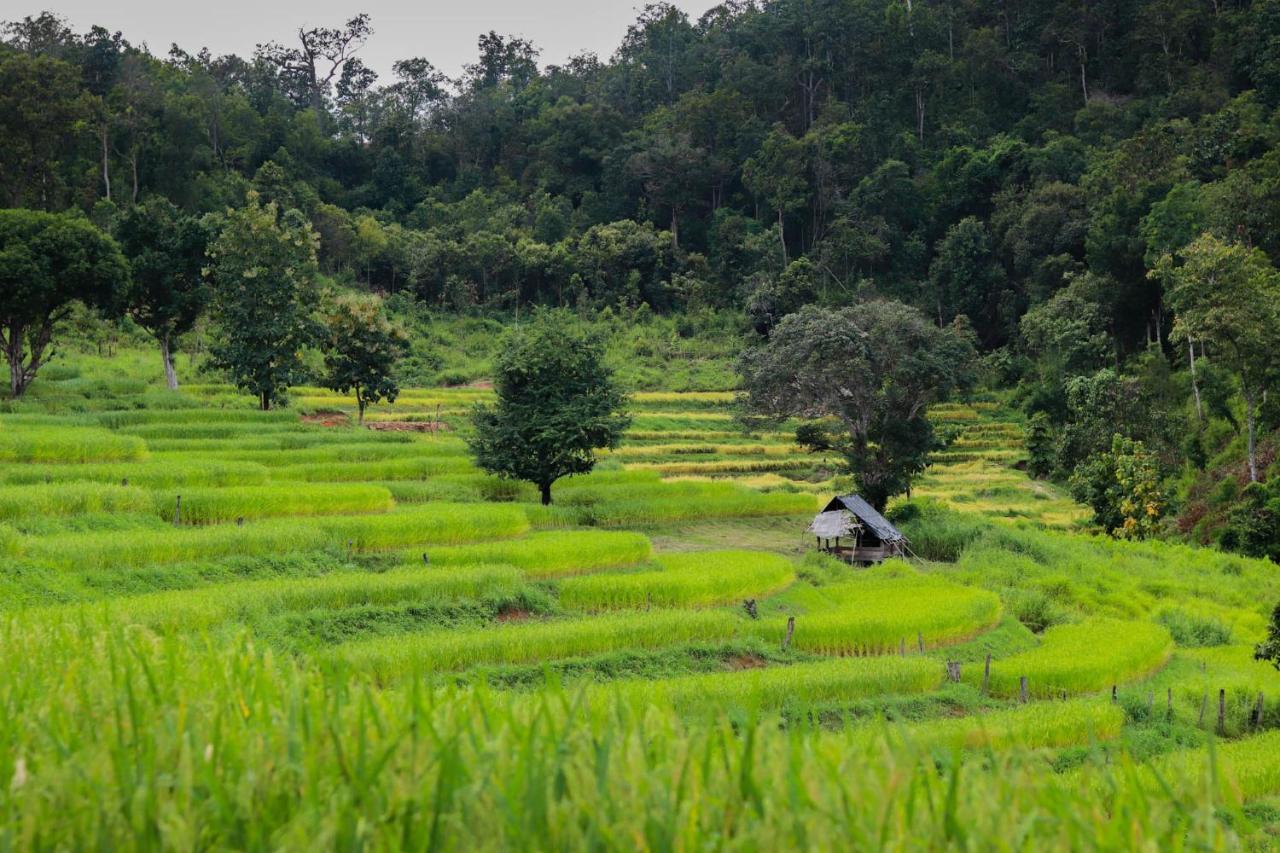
x=863, y=512
x=834, y=524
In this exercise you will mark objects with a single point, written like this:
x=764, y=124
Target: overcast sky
x=443, y=32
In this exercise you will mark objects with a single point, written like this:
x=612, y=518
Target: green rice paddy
x=236, y=629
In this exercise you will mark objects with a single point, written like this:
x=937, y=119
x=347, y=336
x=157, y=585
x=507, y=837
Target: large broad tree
x=49, y=261
x=864, y=377
x=776, y=176
x=43, y=112
x=557, y=404
x=263, y=270
x=1227, y=296
x=310, y=67
x=362, y=346
x=166, y=252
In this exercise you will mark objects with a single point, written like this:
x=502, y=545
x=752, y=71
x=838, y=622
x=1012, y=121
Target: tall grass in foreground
x=430, y=524
x=1083, y=658
x=252, y=751
x=685, y=580
x=68, y=445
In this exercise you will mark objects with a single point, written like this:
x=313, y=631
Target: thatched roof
x=831, y=525
x=864, y=513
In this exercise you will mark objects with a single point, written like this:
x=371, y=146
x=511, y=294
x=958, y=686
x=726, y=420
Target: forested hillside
x=1039, y=168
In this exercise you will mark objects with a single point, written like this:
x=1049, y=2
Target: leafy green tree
x=263, y=270
x=362, y=347
x=1253, y=522
x=41, y=114
x=965, y=279
x=1228, y=296
x=774, y=299
x=1269, y=649
x=775, y=175
x=1041, y=446
x=1142, y=497
x=557, y=404
x=48, y=262
x=1124, y=488
x=624, y=263
x=166, y=254
x=865, y=376
x=671, y=169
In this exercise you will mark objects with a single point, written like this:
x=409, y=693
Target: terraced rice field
x=385, y=647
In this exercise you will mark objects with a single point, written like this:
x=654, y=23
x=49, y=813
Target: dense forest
x=1092, y=186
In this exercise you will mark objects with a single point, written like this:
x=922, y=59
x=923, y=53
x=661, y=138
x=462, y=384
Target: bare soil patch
x=327, y=419
x=514, y=615
x=408, y=426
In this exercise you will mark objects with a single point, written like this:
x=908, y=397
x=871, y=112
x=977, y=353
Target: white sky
x=443, y=32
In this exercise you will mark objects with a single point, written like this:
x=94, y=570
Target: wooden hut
x=868, y=536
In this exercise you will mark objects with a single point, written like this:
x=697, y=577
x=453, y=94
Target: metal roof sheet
x=830, y=525
x=864, y=512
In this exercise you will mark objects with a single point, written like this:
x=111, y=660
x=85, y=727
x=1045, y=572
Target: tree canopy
x=48, y=262
x=166, y=254
x=864, y=377
x=558, y=403
x=263, y=268
x=361, y=347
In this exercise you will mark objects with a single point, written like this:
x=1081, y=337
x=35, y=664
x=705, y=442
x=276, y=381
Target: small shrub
x=1193, y=630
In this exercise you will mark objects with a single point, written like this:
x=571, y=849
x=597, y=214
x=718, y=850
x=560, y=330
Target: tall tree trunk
x=545, y=490
x=1251, y=416
x=920, y=112
x=21, y=374
x=133, y=163
x=106, y=163
x=675, y=227
x=166, y=355
x=1195, y=381
x=782, y=236
x=360, y=406
x=264, y=401
x=13, y=354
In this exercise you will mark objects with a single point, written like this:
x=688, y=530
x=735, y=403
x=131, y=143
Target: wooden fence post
x=1169, y=707
x=920, y=640
x=177, y=511
x=1022, y=685
x=1222, y=710
x=986, y=674
x=791, y=629
x=1257, y=713
x=1114, y=696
